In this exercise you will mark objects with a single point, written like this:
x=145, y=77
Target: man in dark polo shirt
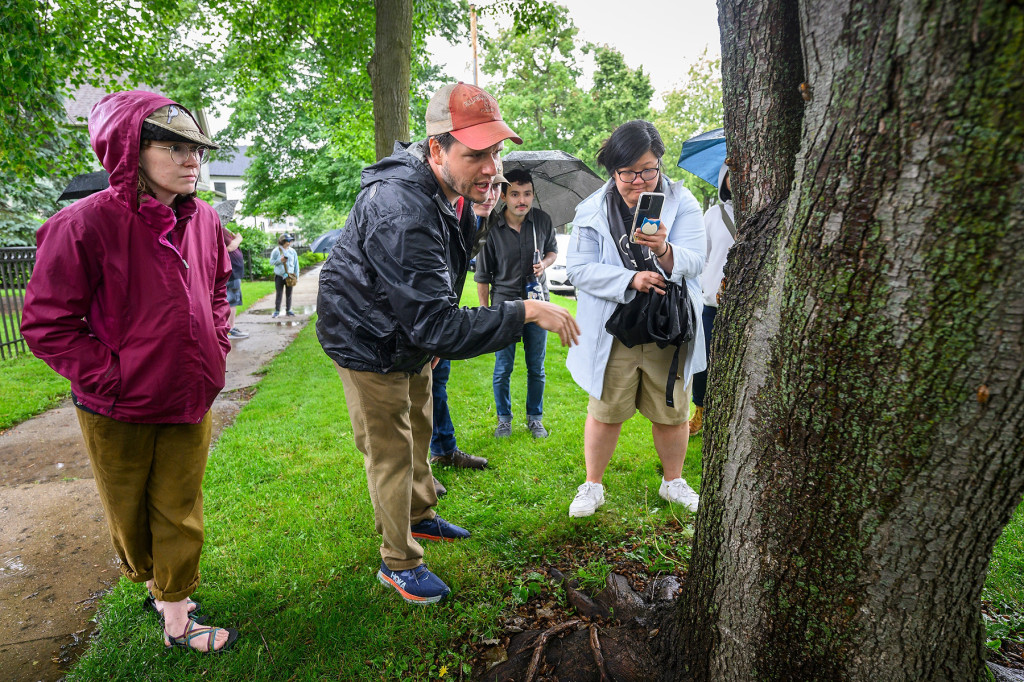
x=517, y=251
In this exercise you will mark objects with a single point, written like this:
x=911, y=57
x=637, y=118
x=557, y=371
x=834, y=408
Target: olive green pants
x=392, y=420
x=150, y=478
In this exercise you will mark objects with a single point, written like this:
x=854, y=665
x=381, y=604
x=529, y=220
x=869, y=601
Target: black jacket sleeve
x=409, y=254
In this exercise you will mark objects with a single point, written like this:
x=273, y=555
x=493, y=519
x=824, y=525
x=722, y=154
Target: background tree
x=865, y=435
x=691, y=109
x=619, y=94
x=536, y=62
x=389, y=73
x=298, y=76
x=49, y=50
x=535, y=75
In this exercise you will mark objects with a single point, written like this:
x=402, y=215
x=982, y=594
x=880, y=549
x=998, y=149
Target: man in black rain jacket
x=389, y=305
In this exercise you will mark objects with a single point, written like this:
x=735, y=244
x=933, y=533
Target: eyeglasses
x=647, y=174
x=180, y=153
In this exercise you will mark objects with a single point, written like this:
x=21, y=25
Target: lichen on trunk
x=864, y=438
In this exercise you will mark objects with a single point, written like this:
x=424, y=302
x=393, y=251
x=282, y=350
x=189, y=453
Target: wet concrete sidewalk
x=55, y=554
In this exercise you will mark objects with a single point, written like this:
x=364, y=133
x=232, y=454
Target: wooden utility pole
x=472, y=33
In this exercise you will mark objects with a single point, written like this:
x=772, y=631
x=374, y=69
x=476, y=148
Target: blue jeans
x=700, y=379
x=535, y=345
x=442, y=439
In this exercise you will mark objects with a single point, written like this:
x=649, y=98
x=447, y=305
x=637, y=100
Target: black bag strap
x=729, y=224
x=673, y=370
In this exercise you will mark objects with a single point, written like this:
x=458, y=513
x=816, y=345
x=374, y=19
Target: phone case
x=648, y=214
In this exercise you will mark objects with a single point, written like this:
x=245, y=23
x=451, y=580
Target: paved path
x=55, y=554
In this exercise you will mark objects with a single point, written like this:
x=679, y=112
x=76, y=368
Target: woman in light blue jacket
x=285, y=262
x=603, y=267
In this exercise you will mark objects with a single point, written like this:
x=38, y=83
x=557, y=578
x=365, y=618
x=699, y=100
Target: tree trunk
x=864, y=434
x=389, y=73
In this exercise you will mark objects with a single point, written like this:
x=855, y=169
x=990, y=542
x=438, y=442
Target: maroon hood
x=115, y=130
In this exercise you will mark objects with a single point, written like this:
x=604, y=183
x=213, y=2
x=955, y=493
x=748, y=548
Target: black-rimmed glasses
x=647, y=174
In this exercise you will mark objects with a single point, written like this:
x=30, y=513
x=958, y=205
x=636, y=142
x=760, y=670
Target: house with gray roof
x=227, y=178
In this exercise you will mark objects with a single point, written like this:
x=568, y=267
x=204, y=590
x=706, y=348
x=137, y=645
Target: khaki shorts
x=635, y=379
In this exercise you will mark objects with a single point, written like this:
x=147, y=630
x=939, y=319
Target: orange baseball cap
x=470, y=114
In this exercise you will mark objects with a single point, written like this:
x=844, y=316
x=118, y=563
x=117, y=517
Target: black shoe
x=460, y=459
x=439, y=489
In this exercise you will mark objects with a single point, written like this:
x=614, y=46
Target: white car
x=558, y=281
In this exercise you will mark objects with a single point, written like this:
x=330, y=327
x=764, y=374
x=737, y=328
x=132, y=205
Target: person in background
x=234, y=290
x=127, y=300
x=721, y=235
x=285, y=262
x=388, y=306
x=608, y=270
x=519, y=247
x=444, y=450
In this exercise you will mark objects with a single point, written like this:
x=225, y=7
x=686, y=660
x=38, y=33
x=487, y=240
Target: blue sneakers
x=416, y=585
x=438, y=529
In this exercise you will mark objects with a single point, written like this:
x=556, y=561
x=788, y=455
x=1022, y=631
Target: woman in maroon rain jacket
x=127, y=300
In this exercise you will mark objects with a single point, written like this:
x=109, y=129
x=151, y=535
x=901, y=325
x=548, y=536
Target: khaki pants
x=150, y=478
x=391, y=418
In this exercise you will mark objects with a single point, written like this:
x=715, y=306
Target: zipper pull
x=185, y=262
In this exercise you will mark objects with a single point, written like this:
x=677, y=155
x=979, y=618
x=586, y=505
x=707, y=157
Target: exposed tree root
x=538, y=648
x=595, y=646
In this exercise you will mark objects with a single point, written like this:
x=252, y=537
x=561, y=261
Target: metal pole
x=472, y=32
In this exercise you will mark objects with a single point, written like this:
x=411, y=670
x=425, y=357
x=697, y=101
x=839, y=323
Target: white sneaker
x=589, y=497
x=680, y=492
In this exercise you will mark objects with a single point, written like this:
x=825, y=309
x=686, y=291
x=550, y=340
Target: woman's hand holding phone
x=654, y=241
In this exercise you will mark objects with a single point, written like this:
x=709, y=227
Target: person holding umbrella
x=127, y=300
x=604, y=266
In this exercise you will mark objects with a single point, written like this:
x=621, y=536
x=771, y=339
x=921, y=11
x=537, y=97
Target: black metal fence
x=15, y=268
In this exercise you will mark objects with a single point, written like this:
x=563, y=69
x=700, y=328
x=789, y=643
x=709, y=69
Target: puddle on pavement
x=303, y=310
x=72, y=651
x=12, y=566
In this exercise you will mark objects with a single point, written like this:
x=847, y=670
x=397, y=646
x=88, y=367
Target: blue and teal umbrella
x=704, y=154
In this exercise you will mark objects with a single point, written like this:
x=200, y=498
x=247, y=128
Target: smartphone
x=648, y=213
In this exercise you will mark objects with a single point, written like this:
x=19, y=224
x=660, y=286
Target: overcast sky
x=663, y=36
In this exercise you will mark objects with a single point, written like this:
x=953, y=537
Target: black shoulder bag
x=665, y=319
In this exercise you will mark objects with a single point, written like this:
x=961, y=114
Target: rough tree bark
x=864, y=438
x=390, y=75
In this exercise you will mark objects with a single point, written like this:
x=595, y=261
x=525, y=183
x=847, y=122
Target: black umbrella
x=226, y=210
x=560, y=181
x=85, y=184
x=325, y=242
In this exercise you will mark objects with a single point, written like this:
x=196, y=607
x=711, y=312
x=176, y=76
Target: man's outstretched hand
x=553, y=318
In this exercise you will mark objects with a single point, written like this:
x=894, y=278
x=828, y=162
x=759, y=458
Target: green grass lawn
x=291, y=553
x=253, y=291
x=28, y=386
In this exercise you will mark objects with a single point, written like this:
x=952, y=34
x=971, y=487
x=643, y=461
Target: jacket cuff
x=520, y=311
